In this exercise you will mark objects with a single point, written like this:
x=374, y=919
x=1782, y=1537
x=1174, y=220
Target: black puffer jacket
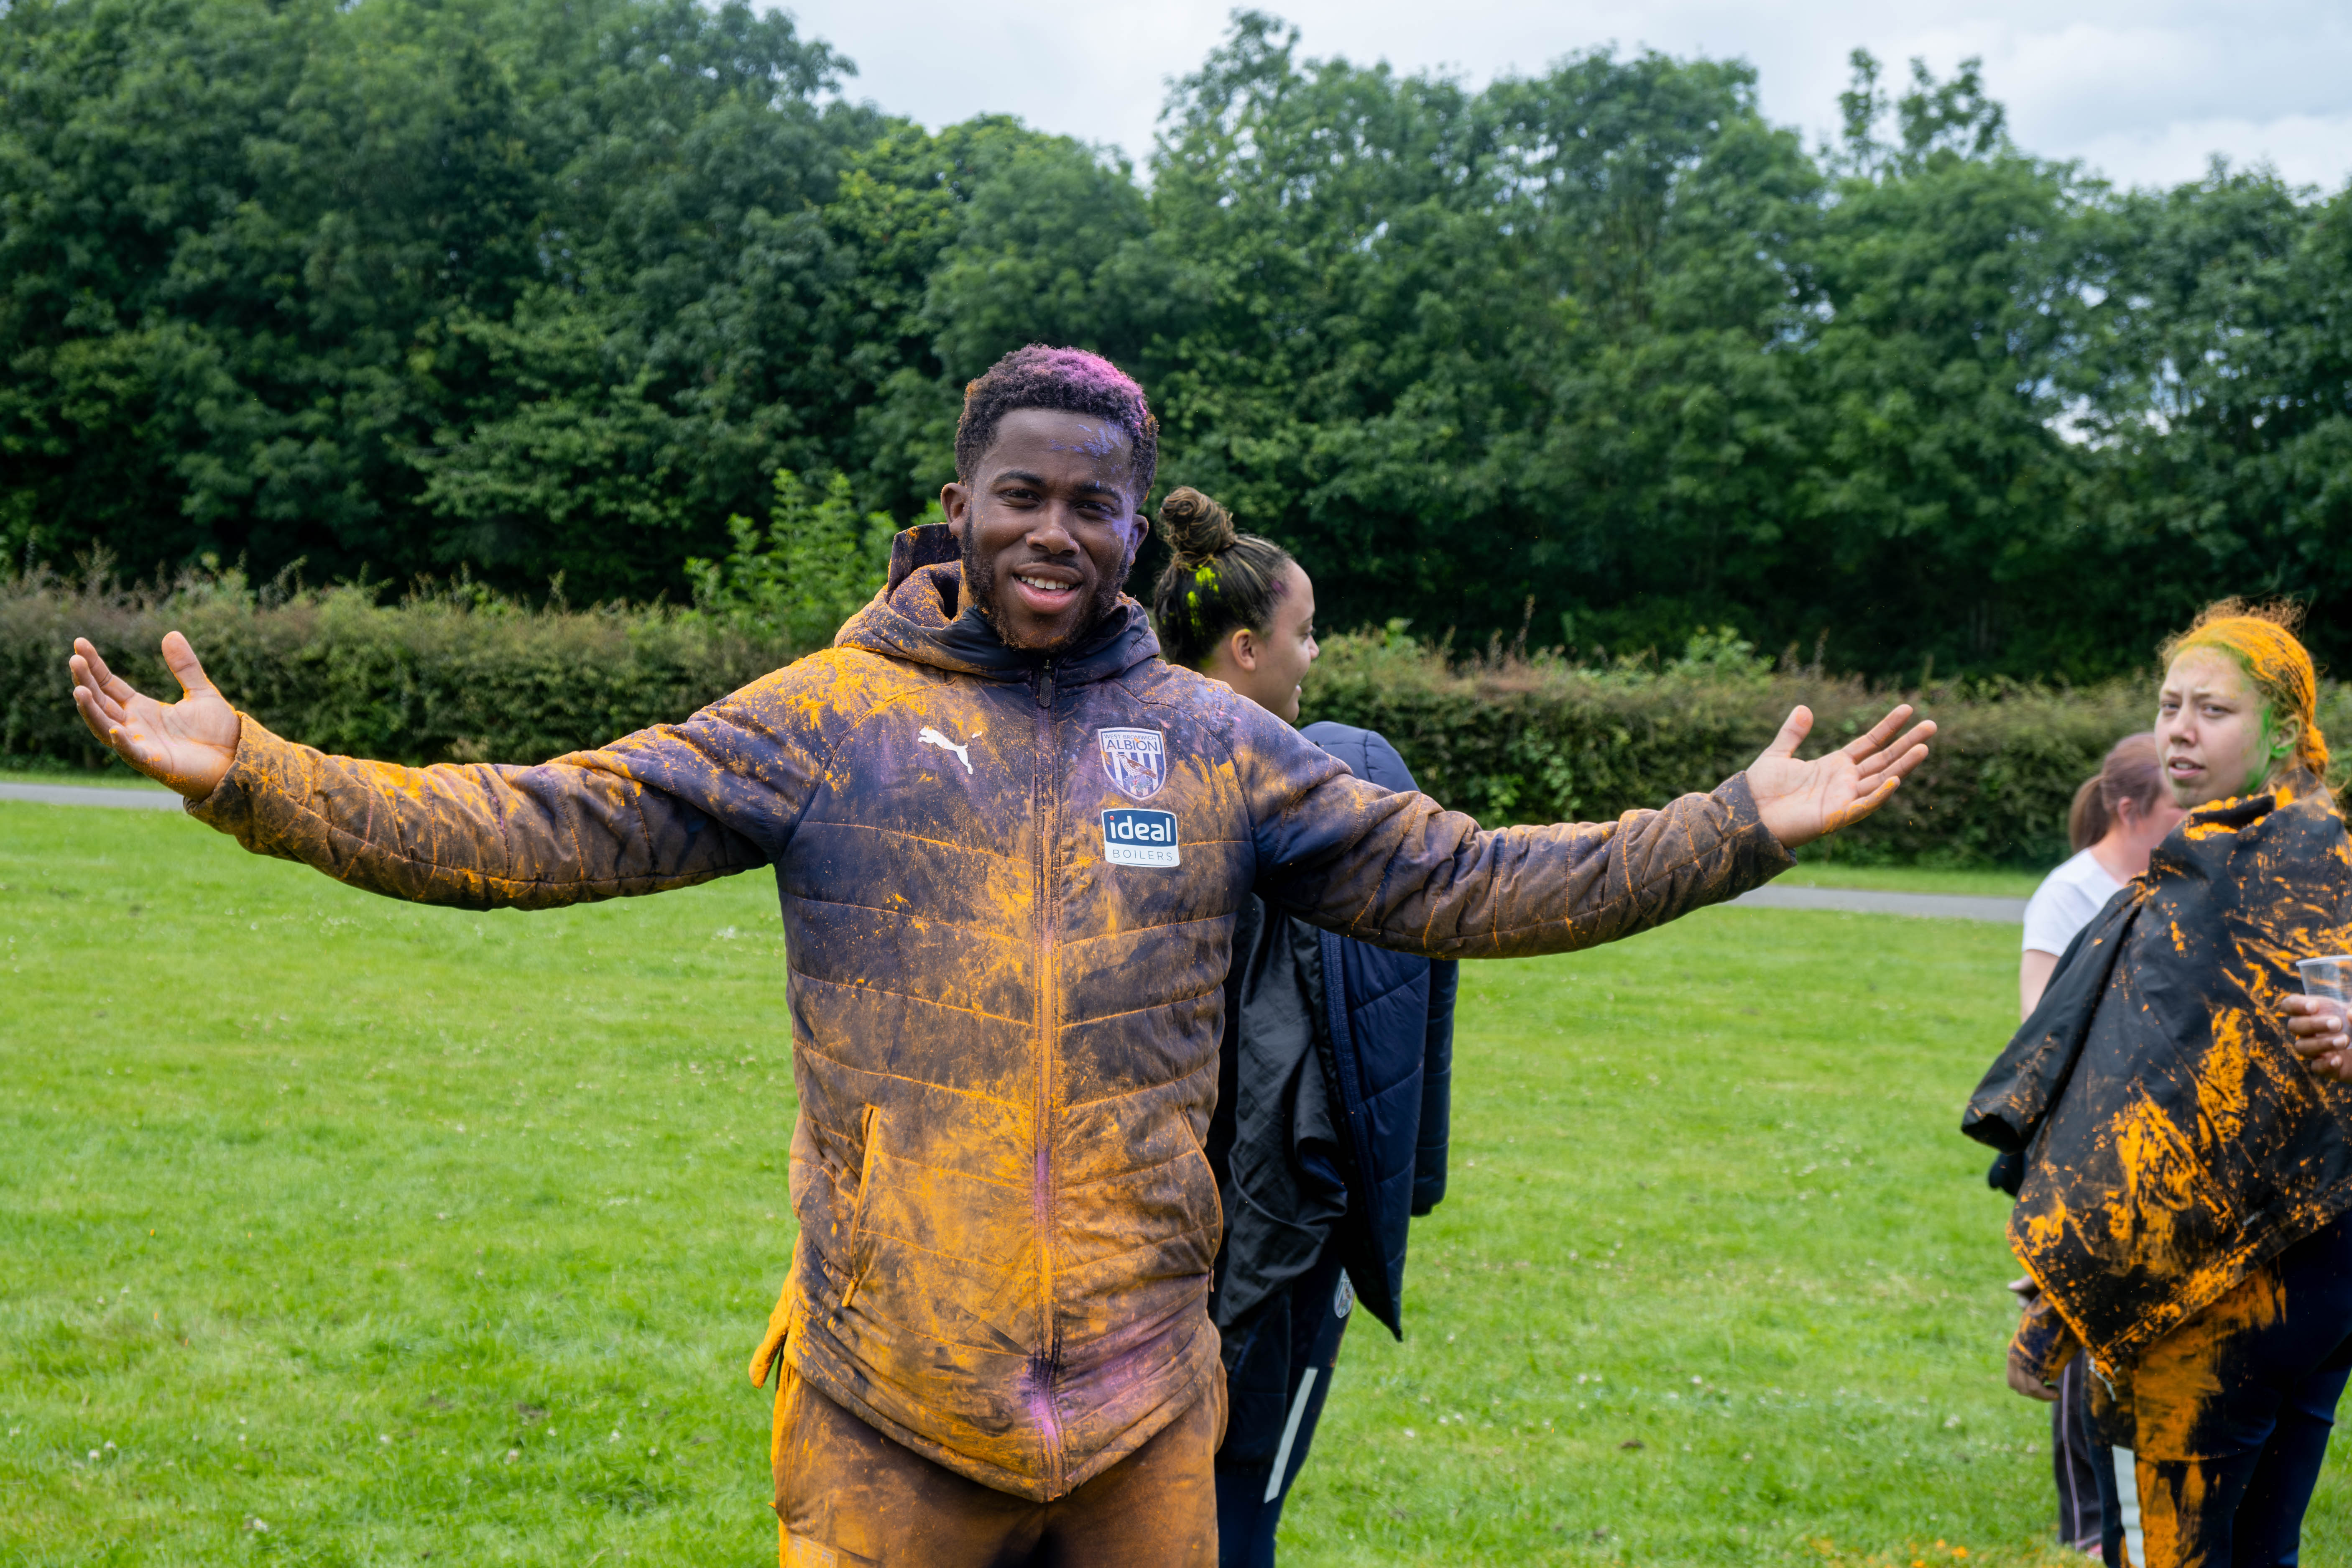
x=1334, y=1093
x=1389, y=1019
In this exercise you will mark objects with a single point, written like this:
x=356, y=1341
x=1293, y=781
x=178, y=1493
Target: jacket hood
x=915, y=618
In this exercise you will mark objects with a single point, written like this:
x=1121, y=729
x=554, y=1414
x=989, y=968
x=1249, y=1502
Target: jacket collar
x=913, y=617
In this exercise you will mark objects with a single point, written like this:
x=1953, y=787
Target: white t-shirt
x=2065, y=903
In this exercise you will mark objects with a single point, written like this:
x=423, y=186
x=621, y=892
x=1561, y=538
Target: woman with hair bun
x=1233, y=605
x=1330, y=1125
x=2187, y=1174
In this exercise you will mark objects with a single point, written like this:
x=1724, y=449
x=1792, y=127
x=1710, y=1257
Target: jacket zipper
x=1048, y=1362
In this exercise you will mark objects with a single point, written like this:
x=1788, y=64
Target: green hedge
x=452, y=675
x=457, y=674
x=1536, y=739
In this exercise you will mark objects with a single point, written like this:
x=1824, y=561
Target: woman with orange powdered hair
x=2187, y=1174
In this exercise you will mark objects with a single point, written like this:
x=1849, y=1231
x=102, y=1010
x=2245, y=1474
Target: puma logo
x=930, y=737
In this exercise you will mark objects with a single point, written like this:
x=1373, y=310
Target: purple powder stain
x=1101, y=441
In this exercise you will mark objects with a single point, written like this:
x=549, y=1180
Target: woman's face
x=2141, y=832
x=1267, y=668
x=2212, y=730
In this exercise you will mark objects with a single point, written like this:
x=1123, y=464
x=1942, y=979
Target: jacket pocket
x=861, y=1246
x=779, y=1332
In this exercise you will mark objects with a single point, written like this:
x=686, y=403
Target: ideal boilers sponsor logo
x=1135, y=761
x=1132, y=837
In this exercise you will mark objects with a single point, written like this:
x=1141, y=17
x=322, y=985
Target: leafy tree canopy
x=1600, y=356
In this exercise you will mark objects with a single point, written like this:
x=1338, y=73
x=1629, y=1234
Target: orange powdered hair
x=2261, y=638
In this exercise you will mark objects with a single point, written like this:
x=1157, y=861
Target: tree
x=2220, y=423
x=1951, y=268
x=530, y=288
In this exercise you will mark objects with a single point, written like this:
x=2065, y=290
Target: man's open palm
x=187, y=744
x=1800, y=801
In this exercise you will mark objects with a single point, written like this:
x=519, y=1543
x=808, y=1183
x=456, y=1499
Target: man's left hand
x=1800, y=801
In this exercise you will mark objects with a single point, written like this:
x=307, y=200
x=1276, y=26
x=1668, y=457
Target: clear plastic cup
x=2329, y=976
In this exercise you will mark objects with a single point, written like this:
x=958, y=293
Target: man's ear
x=955, y=499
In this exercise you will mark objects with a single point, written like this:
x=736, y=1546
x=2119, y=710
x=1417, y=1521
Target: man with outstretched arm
x=1011, y=843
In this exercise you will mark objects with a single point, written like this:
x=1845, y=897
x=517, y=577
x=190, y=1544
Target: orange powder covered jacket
x=1009, y=885
x=2174, y=1141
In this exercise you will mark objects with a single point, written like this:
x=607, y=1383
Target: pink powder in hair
x=1089, y=370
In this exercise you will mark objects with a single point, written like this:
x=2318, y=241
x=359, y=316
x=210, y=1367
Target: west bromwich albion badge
x=1135, y=760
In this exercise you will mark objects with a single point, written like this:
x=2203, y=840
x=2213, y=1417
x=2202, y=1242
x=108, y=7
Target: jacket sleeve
x=1436, y=1089
x=665, y=808
x=1396, y=870
x=2025, y=1081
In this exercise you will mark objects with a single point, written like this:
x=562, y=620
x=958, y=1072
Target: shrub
x=817, y=562
x=454, y=673
x=451, y=674
x=1517, y=739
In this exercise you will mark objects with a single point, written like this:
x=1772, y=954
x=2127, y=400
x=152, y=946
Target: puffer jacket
x=1332, y=1108
x=1399, y=1016
x=1009, y=884
x=2173, y=1141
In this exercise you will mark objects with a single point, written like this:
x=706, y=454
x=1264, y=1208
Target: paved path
x=1853, y=900
x=88, y=794
x=1858, y=901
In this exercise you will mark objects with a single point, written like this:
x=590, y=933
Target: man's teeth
x=1043, y=586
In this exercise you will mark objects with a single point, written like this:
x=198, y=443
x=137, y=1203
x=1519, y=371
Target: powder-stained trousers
x=2230, y=1415
x=847, y=1497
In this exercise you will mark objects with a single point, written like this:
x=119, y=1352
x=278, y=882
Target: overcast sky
x=2144, y=92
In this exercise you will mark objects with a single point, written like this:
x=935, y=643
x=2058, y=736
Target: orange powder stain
x=2181, y=1376
x=2159, y=1176
x=2223, y=1101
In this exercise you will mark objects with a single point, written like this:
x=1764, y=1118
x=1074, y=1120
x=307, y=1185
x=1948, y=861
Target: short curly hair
x=1070, y=380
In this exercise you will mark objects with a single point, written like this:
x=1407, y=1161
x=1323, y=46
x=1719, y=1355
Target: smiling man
x=1011, y=843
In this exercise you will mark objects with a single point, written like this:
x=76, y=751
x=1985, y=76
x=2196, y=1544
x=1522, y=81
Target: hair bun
x=1195, y=526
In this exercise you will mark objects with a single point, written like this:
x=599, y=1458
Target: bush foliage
x=1511, y=738
x=456, y=673
x=452, y=674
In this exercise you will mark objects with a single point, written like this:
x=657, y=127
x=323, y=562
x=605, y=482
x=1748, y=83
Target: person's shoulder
x=2313, y=812
x=823, y=689
x=1367, y=753
x=2065, y=903
x=1158, y=680
x=2081, y=873
x=1200, y=702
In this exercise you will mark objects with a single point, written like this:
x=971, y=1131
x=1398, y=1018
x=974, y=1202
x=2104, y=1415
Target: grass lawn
x=96, y=778
x=406, y=1232
x=1996, y=882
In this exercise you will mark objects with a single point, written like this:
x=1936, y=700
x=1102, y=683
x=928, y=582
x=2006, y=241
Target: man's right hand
x=188, y=744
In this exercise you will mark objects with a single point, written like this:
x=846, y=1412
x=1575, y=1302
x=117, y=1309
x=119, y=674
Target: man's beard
x=980, y=589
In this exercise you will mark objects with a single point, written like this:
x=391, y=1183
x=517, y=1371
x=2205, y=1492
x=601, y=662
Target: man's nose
x=1051, y=529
